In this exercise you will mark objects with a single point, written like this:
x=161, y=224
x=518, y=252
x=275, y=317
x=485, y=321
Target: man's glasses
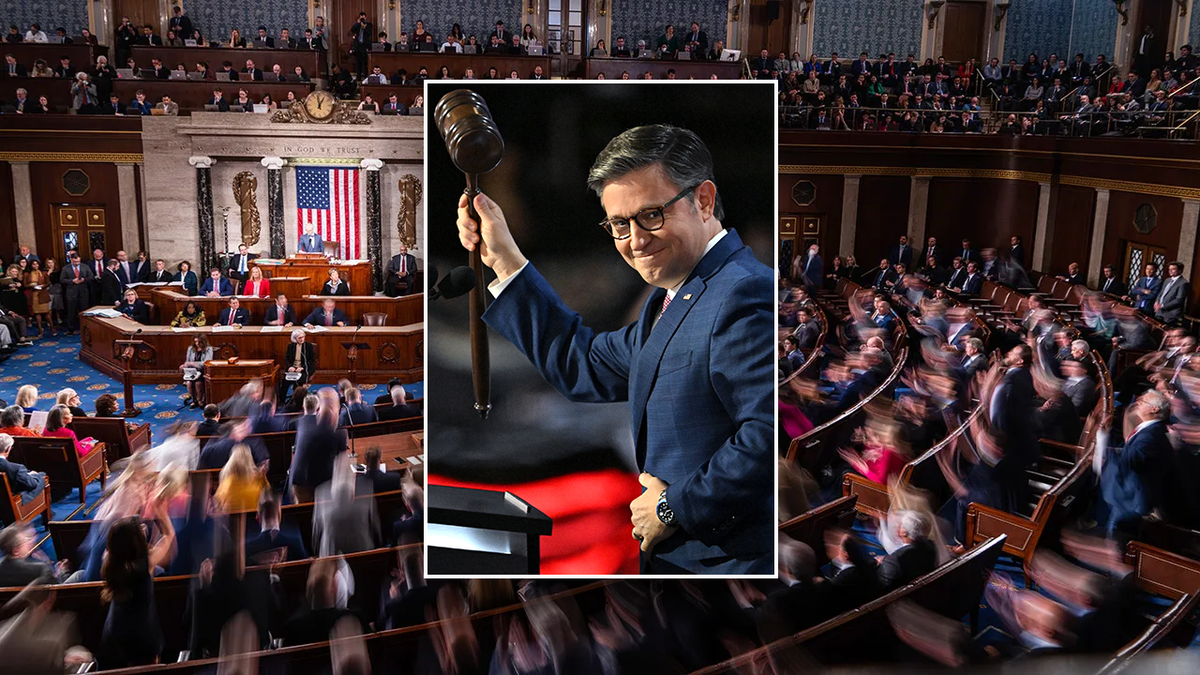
x=649, y=219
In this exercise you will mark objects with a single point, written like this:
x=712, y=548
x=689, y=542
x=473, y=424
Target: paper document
x=106, y=313
x=413, y=460
x=37, y=420
x=223, y=329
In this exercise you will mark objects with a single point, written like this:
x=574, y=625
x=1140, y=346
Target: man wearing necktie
x=704, y=335
x=902, y=252
x=1173, y=299
x=326, y=315
x=239, y=268
x=310, y=241
x=1112, y=284
x=160, y=274
x=75, y=277
x=96, y=266
x=697, y=41
x=234, y=314
x=1146, y=290
x=402, y=269
x=362, y=33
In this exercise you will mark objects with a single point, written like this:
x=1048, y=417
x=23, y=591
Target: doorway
x=1150, y=46
x=964, y=30
x=341, y=17
x=1137, y=256
x=82, y=227
x=140, y=13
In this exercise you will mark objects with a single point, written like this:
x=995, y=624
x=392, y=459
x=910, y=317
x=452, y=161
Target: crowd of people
x=1043, y=96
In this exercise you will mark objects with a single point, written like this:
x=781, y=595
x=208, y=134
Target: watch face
x=320, y=105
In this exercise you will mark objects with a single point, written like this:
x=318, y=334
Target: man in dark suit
x=974, y=360
x=932, y=251
x=161, y=72
x=402, y=270
x=211, y=425
x=310, y=241
x=813, y=269
x=251, y=73
x=263, y=39
x=181, y=24
x=98, y=265
x=958, y=274
x=110, y=285
x=271, y=537
x=312, y=42
x=882, y=276
x=807, y=330
x=375, y=480
x=394, y=103
x=361, y=35
x=966, y=252
x=1133, y=479
x=504, y=35
x=24, y=483
x=355, y=411
x=902, y=253
x=1016, y=252
x=696, y=41
x=76, y=278
x=1111, y=283
x=917, y=554
x=280, y=313
x=218, y=99
x=326, y=315
x=318, y=443
x=14, y=69
x=973, y=284
x=239, y=265
x=139, y=270
x=400, y=407
x=1079, y=386
x=148, y=38
x=1173, y=299
x=216, y=285
x=704, y=333
x=794, y=606
x=17, y=568
x=234, y=314
x=285, y=41
x=160, y=274
x=1073, y=275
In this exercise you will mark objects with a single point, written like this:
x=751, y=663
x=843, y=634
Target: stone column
x=275, y=204
x=1041, y=233
x=127, y=196
x=1187, y=235
x=849, y=214
x=204, y=213
x=1099, y=224
x=374, y=221
x=918, y=208
x=22, y=188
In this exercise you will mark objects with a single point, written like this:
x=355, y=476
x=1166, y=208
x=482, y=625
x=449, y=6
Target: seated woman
x=256, y=285
x=197, y=355
x=267, y=101
x=368, y=104
x=107, y=406
x=300, y=358
x=236, y=41
x=12, y=422
x=300, y=74
x=884, y=454
x=600, y=49
x=134, y=308
x=27, y=398
x=190, y=317
x=241, y=482
x=70, y=398
x=57, y=426
x=335, y=285
x=191, y=283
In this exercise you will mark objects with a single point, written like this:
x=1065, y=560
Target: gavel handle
x=480, y=360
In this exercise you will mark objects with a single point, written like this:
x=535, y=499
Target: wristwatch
x=665, y=514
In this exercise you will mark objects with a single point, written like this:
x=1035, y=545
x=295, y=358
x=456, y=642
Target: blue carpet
x=53, y=364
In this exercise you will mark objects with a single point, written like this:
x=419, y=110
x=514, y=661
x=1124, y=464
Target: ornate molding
x=389, y=353
x=114, y=158
x=297, y=114
x=1003, y=174
x=371, y=164
x=1122, y=11
x=1132, y=186
x=273, y=163
x=319, y=161
x=201, y=161
x=933, y=9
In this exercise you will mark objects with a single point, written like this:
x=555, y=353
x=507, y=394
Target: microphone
x=460, y=281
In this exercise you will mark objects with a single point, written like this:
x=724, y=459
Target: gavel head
x=472, y=138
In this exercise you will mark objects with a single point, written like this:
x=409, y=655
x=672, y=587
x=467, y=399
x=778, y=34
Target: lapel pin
x=688, y=296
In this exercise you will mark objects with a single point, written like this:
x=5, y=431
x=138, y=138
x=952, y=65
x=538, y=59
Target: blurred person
x=916, y=555
x=1133, y=478
x=355, y=411
x=312, y=622
x=318, y=443
x=341, y=523
x=376, y=478
x=272, y=538
x=241, y=483
x=407, y=598
x=18, y=566
x=400, y=408
x=131, y=634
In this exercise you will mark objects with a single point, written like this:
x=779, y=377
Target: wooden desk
x=223, y=379
x=312, y=62
x=380, y=92
x=402, y=311
x=394, y=449
x=684, y=70
x=83, y=56
x=191, y=96
x=316, y=270
x=395, y=351
x=56, y=90
x=391, y=62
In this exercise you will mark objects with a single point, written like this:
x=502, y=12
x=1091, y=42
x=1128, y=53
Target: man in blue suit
x=310, y=241
x=696, y=368
x=1145, y=291
x=1133, y=479
x=814, y=269
x=216, y=285
x=234, y=314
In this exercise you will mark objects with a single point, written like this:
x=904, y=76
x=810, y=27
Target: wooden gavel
x=475, y=147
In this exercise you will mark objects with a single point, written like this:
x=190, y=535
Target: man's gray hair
x=6, y=443
x=1081, y=345
x=13, y=416
x=917, y=524
x=399, y=396
x=311, y=403
x=10, y=537
x=683, y=157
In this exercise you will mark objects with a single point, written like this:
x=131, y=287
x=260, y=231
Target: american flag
x=327, y=197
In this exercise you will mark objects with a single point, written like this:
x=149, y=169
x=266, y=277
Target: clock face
x=320, y=105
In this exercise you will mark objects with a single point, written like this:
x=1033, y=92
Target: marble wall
x=852, y=26
x=71, y=15
x=646, y=20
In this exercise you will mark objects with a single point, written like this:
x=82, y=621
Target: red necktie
x=403, y=266
x=666, y=303
x=328, y=319
x=76, y=271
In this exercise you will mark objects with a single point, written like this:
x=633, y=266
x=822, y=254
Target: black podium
x=482, y=532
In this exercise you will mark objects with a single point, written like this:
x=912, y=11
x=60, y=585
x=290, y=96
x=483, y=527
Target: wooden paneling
x=882, y=216
x=1120, y=229
x=1073, y=221
x=391, y=63
x=987, y=210
x=8, y=214
x=81, y=55
x=684, y=70
x=344, y=14
x=964, y=22
x=139, y=12
x=34, y=137
x=191, y=96
x=827, y=203
x=313, y=63
x=774, y=35
x=47, y=183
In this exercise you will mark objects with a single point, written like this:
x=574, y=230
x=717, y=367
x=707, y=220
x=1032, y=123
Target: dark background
x=553, y=132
